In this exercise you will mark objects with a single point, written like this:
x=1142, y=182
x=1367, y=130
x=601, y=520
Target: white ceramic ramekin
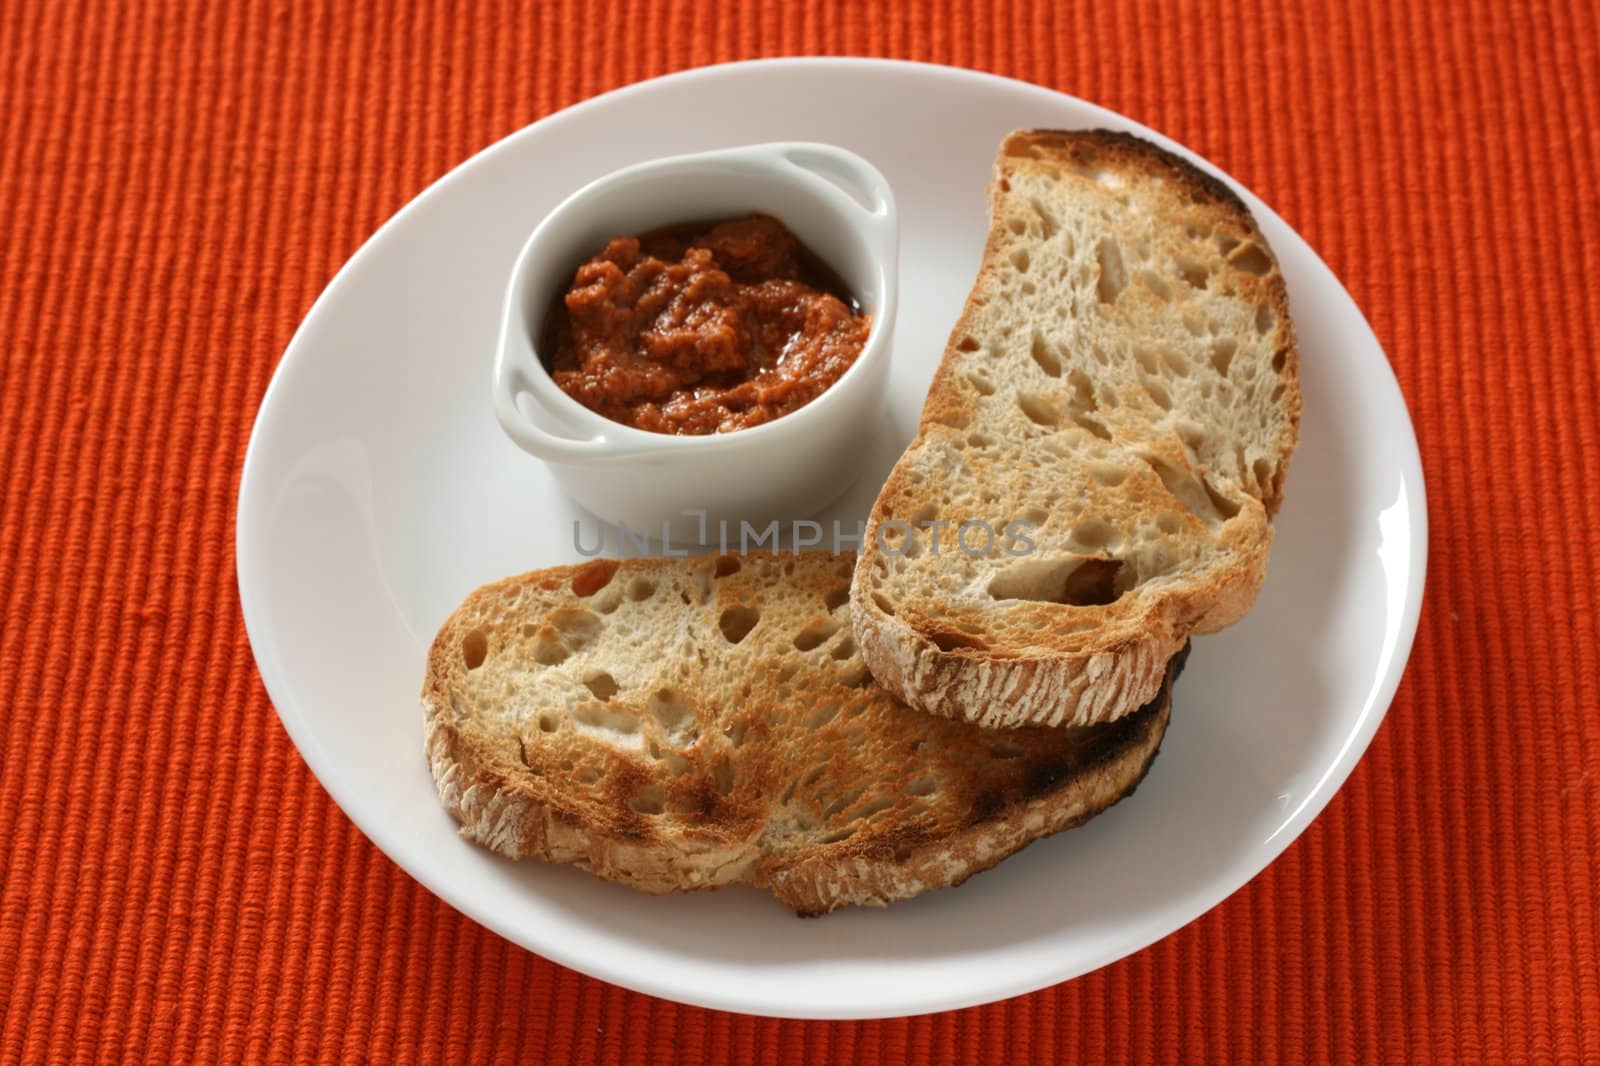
x=840, y=207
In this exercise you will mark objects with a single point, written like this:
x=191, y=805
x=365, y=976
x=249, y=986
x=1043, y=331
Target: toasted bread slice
x=683, y=724
x=1111, y=423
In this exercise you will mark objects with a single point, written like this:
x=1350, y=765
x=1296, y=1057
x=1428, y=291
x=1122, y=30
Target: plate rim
x=1139, y=934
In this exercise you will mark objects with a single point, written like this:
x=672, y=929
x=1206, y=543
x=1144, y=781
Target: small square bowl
x=840, y=207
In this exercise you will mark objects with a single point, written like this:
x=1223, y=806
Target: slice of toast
x=683, y=724
x=1111, y=423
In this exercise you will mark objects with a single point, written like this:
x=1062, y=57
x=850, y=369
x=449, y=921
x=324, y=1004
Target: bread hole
x=549, y=722
x=1093, y=425
x=1160, y=288
x=978, y=440
x=1266, y=318
x=1005, y=749
x=1020, y=260
x=607, y=599
x=1113, y=275
x=1093, y=534
x=605, y=717
x=1038, y=409
x=1147, y=360
x=841, y=803
x=1098, y=354
x=1169, y=523
x=548, y=650
x=1108, y=474
x=578, y=626
x=967, y=344
x=722, y=776
x=1029, y=288
x=1224, y=506
x=1036, y=516
x=883, y=603
x=1277, y=392
x=602, y=685
x=813, y=635
x=945, y=640
x=1194, y=495
x=1176, y=362
x=872, y=807
x=1280, y=359
x=727, y=566
x=640, y=589
x=786, y=672
x=675, y=763
x=669, y=708
x=923, y=786
x=844, y=649
x=1192, y=435
x=1226, y=243
x=837, y=598
x=1264, y=472
x=902, y=852
x=856, y=676
x=475, y=648
x=1194, y=273
x=1222, y=354
x=1194, y=324
x=1017, y=225
x=1045, y=357
x=1071, y=580
x=981, y=384
x=737, y=622
x=834, y=836
x=1158, y=393
x=587, y=775
x=822, y=715
x=649, y=800
x=1252, y=259
x=1005, y=185
x=736, y=731
x=1093, y=584
x=592, y=577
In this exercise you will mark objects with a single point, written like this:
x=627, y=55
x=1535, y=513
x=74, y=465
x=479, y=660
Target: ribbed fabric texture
x=178, y=182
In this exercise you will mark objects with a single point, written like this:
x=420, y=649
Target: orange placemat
x=178, y=181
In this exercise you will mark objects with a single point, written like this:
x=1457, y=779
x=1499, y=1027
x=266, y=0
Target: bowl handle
x=852, y=185
x=513, y=375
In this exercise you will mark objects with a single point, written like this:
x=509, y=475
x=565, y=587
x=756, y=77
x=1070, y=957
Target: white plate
x=378, y=491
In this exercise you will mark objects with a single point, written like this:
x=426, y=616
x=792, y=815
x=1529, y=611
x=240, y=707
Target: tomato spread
x=702, y=328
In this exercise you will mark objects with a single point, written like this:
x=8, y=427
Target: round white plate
x=378, y=490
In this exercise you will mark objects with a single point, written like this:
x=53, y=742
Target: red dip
x=702, y=328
